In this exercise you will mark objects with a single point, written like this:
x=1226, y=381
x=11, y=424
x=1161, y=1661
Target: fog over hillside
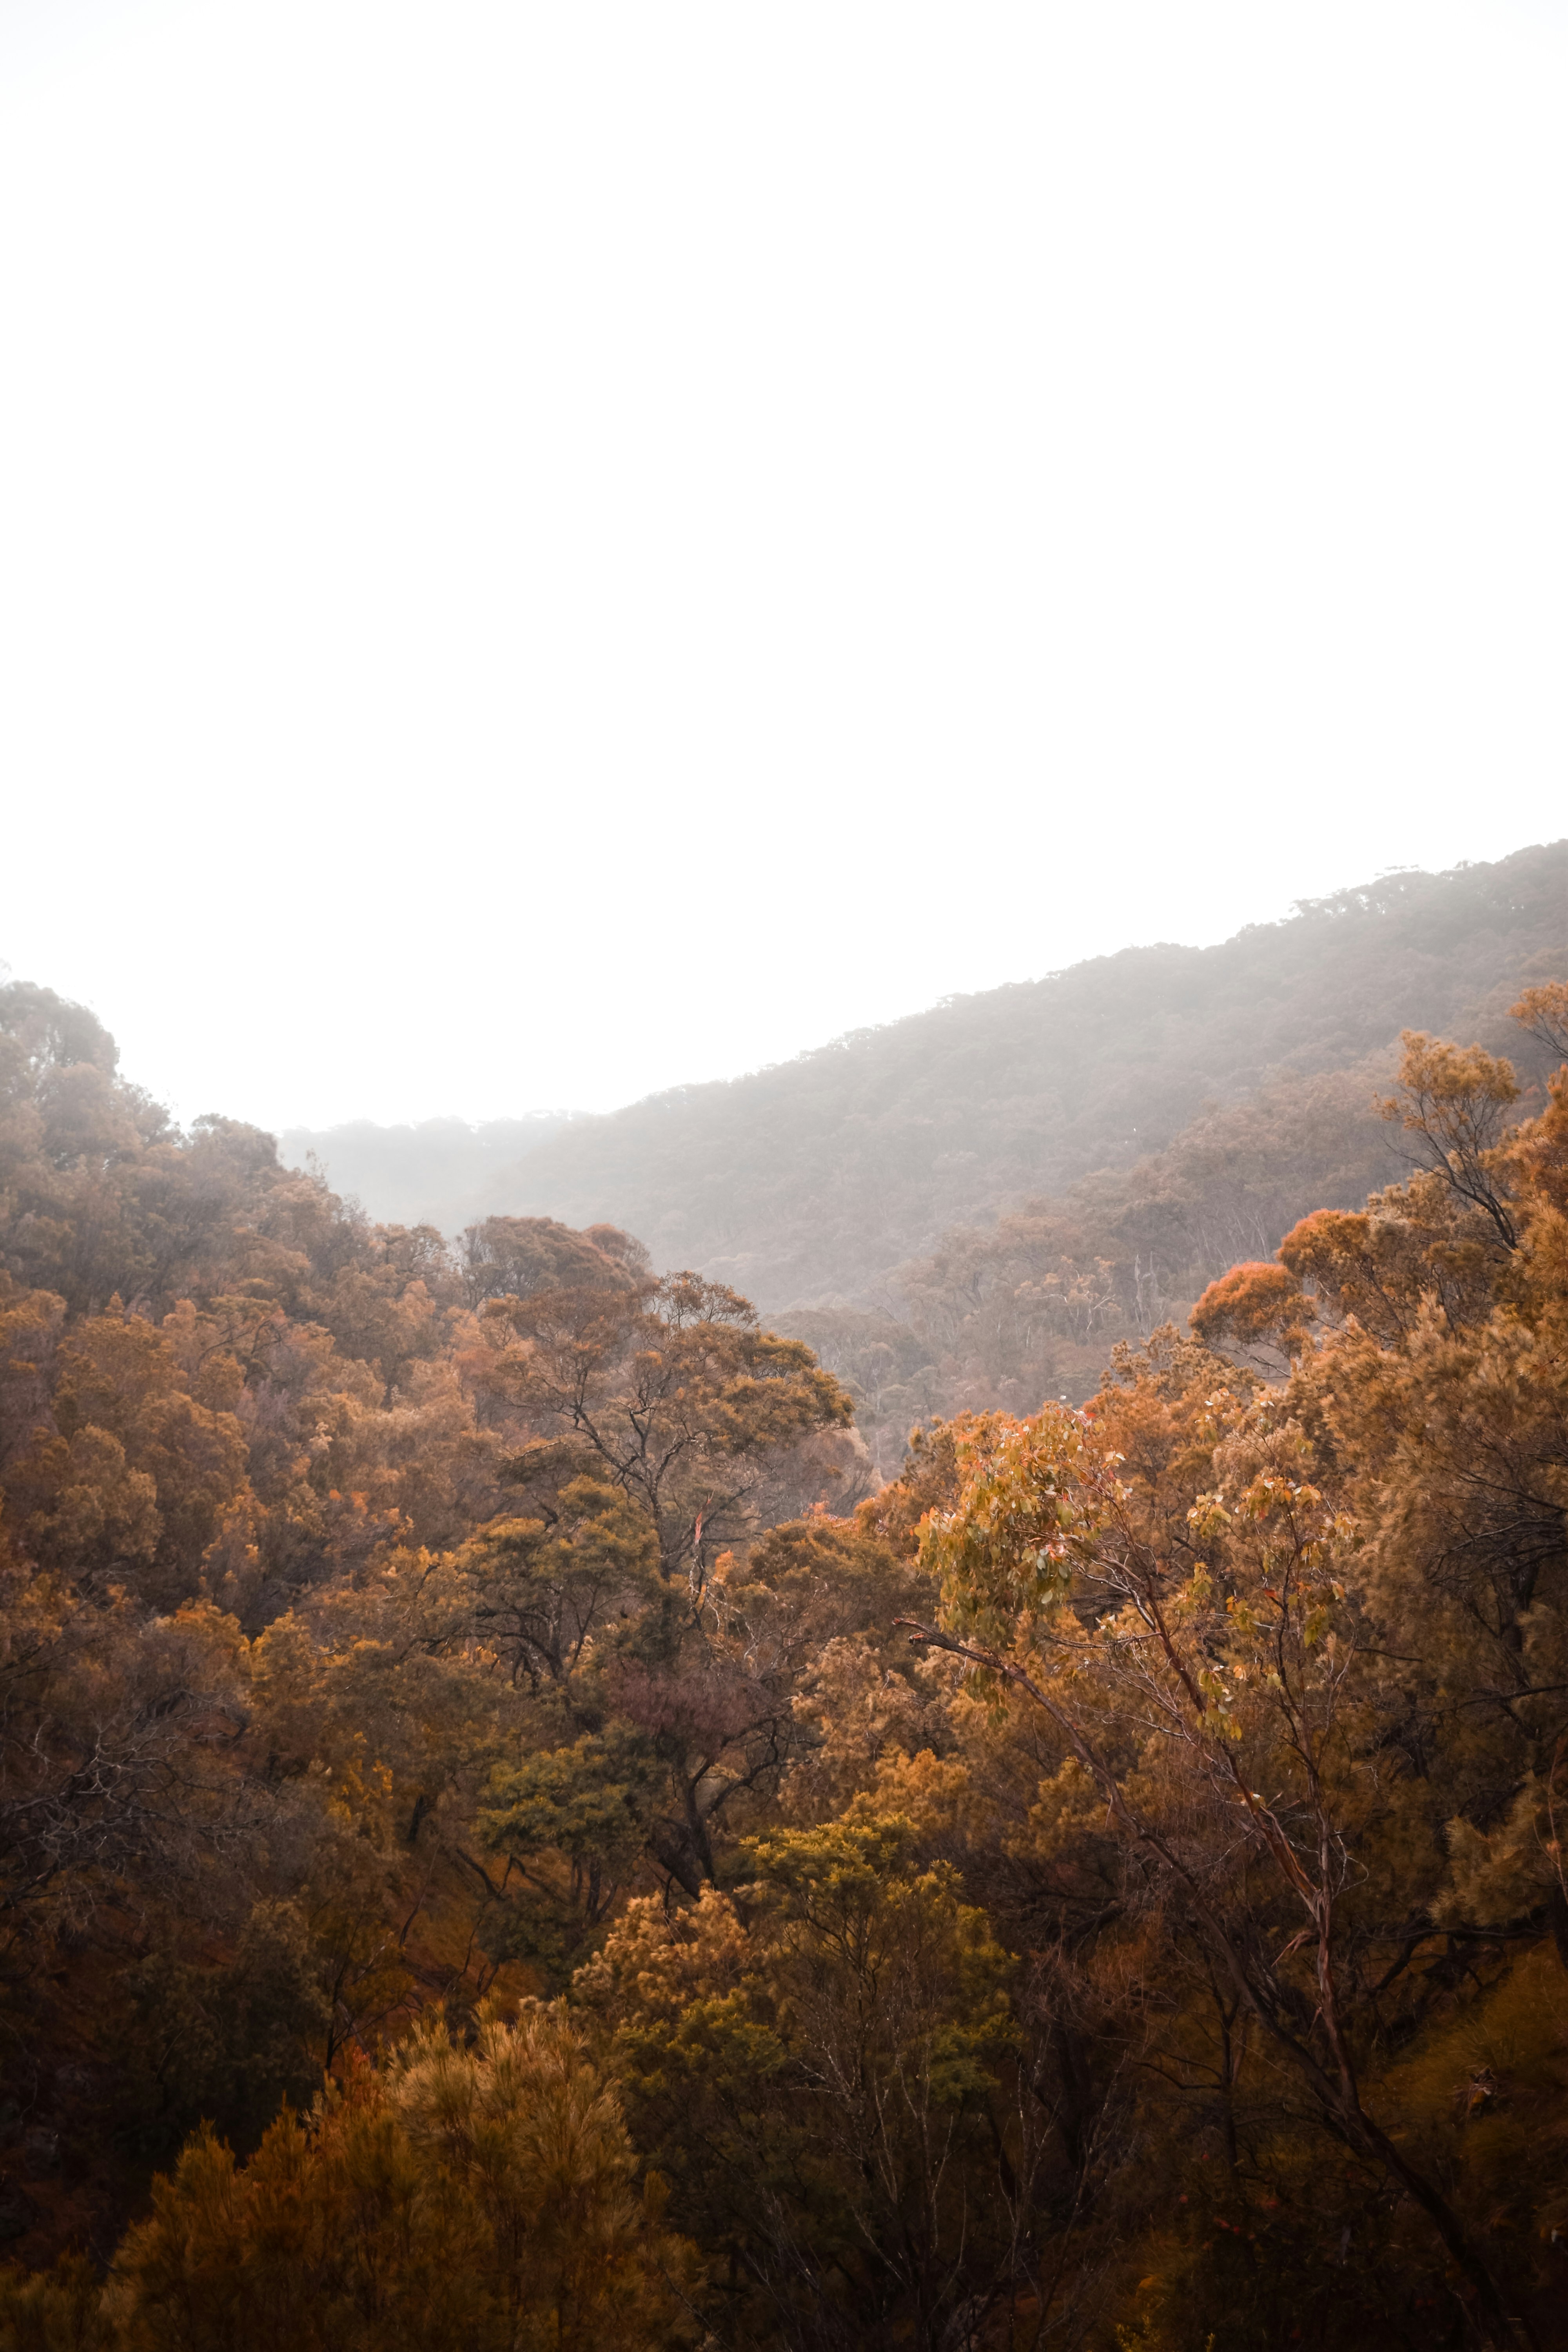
x=412, y=1175
x=783, y=1177
x=811, y=1182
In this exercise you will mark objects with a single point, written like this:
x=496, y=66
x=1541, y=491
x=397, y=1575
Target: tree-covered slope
x=499, y=1848
x=815, y=1179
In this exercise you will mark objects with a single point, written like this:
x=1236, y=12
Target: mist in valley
x=783, y=1177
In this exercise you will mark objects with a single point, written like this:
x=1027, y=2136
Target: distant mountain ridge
x=813, y=1180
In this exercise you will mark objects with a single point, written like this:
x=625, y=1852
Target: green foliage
x=825, y=2086
x=587, y=1801
x=590, y=1807
x=544, y=1587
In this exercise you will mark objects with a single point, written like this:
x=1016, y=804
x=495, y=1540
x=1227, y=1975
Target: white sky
x=547, y=551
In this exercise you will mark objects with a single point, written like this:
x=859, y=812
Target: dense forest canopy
x=515, y=1833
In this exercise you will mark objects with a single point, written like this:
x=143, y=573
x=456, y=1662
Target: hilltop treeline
x=511, y=1837
x=811, y=1183
x=964, y=1209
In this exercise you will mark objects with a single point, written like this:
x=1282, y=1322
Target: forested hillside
x=1027, y=1304
x=313, y=1534
x=511, y=1837
x=815, y=1180
x=966, y=1209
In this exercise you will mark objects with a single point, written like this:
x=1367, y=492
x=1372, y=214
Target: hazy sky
x=547, y=551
